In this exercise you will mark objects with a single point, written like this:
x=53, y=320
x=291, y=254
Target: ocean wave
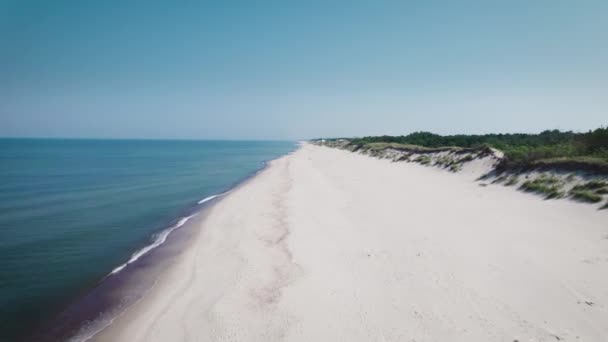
x=207, y=199
x=161, y=237
x=159, y=240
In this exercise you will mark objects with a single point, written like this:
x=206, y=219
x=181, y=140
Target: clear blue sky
x=287, y=69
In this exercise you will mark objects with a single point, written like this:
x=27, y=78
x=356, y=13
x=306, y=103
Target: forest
x=551, y=147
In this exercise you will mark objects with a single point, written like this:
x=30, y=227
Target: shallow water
x=73, y=211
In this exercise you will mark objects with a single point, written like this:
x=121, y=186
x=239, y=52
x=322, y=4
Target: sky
x=300, y=69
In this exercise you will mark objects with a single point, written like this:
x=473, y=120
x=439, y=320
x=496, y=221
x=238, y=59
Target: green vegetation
x=467, y=158
x=455, y=167
x=405, y=157
x=549, y=149
x=424, y=160
x=591, y=191
x=585, y=196
x=596, y=185
x=377, y=146
x=444, y=161
x=549, y=186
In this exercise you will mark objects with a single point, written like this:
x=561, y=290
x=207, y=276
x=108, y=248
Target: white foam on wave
x=89, y=331
x=207, y=199
x=159, y=240
x=161, y=237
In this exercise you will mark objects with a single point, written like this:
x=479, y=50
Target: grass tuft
x=593, y=185
x=591, y=191
x=549, y=186
x=602, y=191
x=467, y=158
x=423, y=159
x=444, y=161
x=405, y=157
x=455, y=167
x=585, y=196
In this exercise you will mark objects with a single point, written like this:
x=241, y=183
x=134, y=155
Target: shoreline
x=113, y=294
x=327, y=245
x=195, y=229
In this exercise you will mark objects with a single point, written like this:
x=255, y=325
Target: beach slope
x=328, y=245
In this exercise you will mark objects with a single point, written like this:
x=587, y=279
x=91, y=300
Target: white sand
x=327, y=245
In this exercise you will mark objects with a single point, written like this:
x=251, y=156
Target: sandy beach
x=329, y=245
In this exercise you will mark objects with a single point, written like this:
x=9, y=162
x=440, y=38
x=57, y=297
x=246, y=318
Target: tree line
x=518, y=147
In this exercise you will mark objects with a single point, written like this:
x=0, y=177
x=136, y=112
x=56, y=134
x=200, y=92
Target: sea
x=77, y=216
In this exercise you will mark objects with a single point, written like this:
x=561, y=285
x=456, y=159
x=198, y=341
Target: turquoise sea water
x=71, y=211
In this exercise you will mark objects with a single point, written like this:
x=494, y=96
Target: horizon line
x=140, y=139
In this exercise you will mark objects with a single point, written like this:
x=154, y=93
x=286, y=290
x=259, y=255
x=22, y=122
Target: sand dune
x=327, y=245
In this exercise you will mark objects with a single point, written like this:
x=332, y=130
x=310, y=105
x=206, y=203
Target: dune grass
x=595, y=185
x=423, y=160
x=444, y=161
x=467, y=158
x=404, y=157
x=455, y=167
x=591, y=191
x=585, y=196
x=548, y=186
